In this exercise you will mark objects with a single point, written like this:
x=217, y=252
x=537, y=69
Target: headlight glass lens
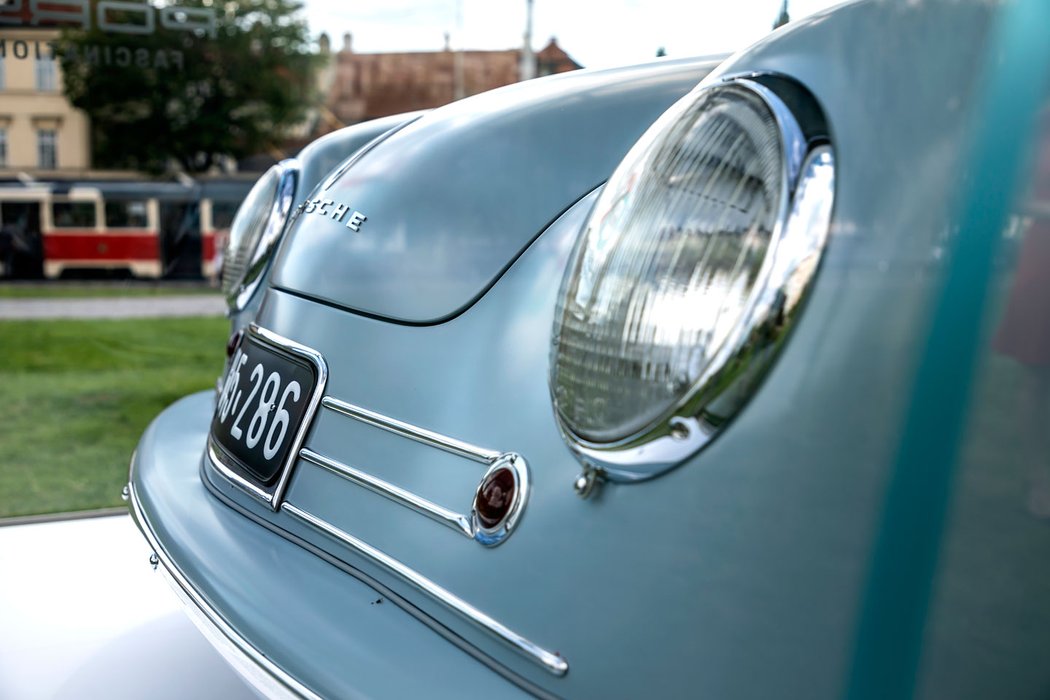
x=661, y=279
x=247, y=229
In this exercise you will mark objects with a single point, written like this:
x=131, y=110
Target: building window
x=3, y=74
x=45, y=74
x=47, y=149
x=3, y=148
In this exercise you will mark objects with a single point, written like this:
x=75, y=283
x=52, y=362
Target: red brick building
x=364, y=86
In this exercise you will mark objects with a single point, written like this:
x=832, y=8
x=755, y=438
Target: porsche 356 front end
x=646, y=380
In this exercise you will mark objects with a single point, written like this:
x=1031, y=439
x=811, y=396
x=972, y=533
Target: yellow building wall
x=24, y=110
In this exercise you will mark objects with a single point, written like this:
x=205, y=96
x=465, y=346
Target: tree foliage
x=183, y=97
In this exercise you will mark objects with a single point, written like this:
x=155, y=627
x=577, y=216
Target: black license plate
x=261, y=405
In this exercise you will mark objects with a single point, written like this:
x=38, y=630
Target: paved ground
x=113, y=307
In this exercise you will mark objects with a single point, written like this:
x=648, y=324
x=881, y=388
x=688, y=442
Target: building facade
x=364, y=86
x=41, y=133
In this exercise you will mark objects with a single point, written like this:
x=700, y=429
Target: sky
x=597, y=33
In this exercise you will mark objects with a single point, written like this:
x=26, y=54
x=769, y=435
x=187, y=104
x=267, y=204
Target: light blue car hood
x=418, y=227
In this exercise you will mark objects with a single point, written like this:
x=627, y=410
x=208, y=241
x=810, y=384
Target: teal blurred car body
x=858, y=529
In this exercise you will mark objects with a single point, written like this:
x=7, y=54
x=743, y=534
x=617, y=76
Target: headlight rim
x=672, y=438
x=276, y=221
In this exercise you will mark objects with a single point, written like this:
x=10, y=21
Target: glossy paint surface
x=324, y=154
x=315, y=161
x=453, y=197
x=746, y=571
x=304, y=612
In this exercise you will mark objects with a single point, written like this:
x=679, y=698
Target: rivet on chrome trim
x=587, y=481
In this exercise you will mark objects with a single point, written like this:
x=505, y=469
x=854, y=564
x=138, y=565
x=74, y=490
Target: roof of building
x=371, y=85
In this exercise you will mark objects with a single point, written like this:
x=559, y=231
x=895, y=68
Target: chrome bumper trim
x=551, y=662
x=264, y=675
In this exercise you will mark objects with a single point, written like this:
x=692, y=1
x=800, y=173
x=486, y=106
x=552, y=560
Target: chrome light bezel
x=276, y=221
x=808, y=192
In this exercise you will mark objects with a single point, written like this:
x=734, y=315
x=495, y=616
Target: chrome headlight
x=255, y=230
x=689, y=271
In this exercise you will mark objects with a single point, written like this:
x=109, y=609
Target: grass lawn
x=76, y=395
x=63, y=290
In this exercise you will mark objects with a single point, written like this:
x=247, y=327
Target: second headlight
x=255, y=230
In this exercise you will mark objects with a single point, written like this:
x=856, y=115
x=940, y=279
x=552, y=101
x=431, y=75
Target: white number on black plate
x=266, y=411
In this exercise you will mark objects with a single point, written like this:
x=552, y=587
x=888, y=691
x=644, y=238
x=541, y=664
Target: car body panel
x=314, y=162
x=430, y=245
x=742, y=572
x=251, y=575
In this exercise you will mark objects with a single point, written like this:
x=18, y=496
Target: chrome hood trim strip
x=551, y=662
x=456, y=521
x=466, y=524
x=427, y=437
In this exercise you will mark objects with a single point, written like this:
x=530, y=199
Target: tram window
x=126, y=215
x=222, y=214
x=73, y=214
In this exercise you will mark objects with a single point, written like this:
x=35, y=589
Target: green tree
x=191, y=96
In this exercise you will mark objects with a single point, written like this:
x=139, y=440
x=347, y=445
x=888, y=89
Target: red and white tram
x=81, y=229
x=149, y=229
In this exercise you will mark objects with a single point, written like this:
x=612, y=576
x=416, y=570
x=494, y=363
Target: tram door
x=180, y=239
x=21, y=247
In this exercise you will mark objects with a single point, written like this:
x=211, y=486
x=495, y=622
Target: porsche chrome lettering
x=335, y=210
